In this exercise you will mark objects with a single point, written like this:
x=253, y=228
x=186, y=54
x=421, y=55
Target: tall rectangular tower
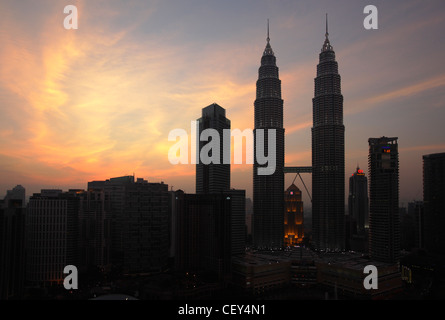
x=358, y=210
x=213, y=177
x=384, y=222
x=203, y=233
x=328, y=155
x=434, y=201
x=12, y=245
x=52, y=236
x=268, y=202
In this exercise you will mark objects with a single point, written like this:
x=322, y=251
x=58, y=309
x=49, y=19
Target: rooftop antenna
x=268, y=38
x=327, y=45
x=327, y=33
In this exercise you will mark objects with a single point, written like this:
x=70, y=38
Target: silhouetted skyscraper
x=384, y=222
x=328, y=155
x=213, y=177
x=268, y=203
x=358, y=209
x=434, y=202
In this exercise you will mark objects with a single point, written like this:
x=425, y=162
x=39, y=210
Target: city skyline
x=87, y=104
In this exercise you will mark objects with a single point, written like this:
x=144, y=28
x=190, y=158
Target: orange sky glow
x=100, y=101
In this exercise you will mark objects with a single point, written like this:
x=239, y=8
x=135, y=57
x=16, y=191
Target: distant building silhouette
x=384, y=222
x=293, y=216
x=17, y=193
x=213, y=177
x=358, y=209
x=434, y=202
x=328, y=155
x=268, y=204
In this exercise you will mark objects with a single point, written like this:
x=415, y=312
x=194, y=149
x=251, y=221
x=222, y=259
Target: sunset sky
x=100, y=101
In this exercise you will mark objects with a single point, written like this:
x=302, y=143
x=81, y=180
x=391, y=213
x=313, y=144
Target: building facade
x=215, y=176
x=268, y=204
x=203, y=233
x=293, y=216
x=12, y=246
x=52, y=230
x=94, y=231
x=384, y=222
x=434, y=202
x=358, y=210
x=138, y=213
x=328, y=155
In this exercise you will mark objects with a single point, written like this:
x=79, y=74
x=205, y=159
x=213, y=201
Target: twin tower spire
x=326, y=46
x=268, y=50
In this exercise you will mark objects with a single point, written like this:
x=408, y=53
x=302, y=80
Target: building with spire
x=293, y=216
x=328, y=155
x=268, y=202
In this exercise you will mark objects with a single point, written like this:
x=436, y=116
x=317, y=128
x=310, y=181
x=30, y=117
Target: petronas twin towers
x=268, y=190
x=328, y=160
x=328, y=155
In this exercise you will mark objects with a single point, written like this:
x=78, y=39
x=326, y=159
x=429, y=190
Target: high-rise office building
x=412, y=226
x=94, y=231
x=203, y=233
x=293, y=216
x=328, y=155
x=12, y=245
x=238, y=221
x=358, y=210
x=434, y=202
x=384, y=222
x=138, y=214
x=52, y=228
x=268, y=204
x=213, y=177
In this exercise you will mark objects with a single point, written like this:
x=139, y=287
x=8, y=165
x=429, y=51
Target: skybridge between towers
x=299, y=170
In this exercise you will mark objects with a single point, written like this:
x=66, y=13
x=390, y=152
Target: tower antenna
x=327, y=33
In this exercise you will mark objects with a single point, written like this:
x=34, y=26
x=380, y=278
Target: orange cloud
x=407, y=91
